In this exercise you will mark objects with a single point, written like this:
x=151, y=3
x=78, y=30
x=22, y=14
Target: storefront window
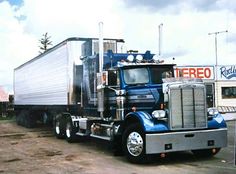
x=228, y=92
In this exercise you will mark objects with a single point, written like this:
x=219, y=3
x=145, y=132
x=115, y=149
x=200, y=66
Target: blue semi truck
x=85, y=88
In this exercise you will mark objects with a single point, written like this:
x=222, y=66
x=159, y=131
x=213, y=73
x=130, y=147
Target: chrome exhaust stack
x=100, y=87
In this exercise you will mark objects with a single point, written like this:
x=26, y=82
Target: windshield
x=153, y=75
x=136, y=76
x=158, y=74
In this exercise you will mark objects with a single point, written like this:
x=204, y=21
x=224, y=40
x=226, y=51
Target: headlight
x=159, y=114
x=212, y=111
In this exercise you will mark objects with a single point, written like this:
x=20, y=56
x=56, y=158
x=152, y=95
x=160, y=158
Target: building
x=220, y=84
x=226, y=87
x=4, y=99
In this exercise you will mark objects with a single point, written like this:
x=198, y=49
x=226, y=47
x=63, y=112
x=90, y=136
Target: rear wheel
x=18, y=118
x=46, y=118
x=71, y=136
x=133, y=142
x=58, y=131
x=25, y=118
x=30, y=121
x=206, y=152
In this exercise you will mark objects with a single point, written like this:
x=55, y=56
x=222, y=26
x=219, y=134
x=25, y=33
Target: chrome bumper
x=187, y=140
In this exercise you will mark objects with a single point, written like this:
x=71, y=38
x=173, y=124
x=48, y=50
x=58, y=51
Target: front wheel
x=133, y=142
x=206, y=153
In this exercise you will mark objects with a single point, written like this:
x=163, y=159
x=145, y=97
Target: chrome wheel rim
x=68, y=130
x=135, y=144
x=57, y=128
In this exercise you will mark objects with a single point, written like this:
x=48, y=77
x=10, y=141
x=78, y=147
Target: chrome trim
x=187, y=140
x=188, y=109
x=135, y=144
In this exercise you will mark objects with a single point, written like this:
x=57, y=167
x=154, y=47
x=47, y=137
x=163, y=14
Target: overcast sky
x=186, y=24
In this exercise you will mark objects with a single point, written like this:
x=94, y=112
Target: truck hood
x=146, y=98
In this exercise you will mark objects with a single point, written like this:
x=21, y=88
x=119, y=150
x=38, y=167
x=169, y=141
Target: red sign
x=201, y=72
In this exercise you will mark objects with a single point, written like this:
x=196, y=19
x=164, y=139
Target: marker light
x=156, y=58
x=139, y=58
x=130, y=58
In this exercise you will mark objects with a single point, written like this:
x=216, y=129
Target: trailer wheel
x=204, y=153
x=58, y=129
x=133, y=143
x=30, y=121
x=71, y=136
x=18, y=117
x=24, y=118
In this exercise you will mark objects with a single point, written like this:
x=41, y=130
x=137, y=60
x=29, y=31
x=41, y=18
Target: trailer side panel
x=44, y=80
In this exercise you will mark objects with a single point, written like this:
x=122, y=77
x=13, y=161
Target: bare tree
x=45, y=42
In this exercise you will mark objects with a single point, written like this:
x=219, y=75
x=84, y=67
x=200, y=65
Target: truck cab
x=141, y=82
x=132, y=100
x=147, y=109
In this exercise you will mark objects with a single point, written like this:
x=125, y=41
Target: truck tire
x=45, y=118
x=30, y=121
x=18, y=118
x=24, y=118
x=57, y=127
x=133, y=143
x=206, y=153
x=71, y=136
x=116, y=146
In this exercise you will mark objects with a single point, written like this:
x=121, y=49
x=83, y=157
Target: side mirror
x=112, y=78
x=102, y=80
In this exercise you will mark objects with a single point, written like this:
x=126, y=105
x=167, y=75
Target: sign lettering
x=195, y=72
x=228, y=72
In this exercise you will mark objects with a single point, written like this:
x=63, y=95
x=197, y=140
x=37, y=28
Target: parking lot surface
x=37, y=151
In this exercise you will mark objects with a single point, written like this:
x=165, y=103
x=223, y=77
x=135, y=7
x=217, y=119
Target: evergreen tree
x=45, y=42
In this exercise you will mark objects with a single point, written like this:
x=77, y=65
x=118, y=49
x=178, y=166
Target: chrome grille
x=187, y=107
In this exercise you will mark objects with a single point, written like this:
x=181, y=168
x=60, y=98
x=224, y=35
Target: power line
x=216, y=33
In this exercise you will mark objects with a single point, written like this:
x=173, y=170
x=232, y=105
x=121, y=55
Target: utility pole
x=160, y=38
x=216, y=65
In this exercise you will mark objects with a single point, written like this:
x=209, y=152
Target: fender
x=217, y=122
x=148, y=123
